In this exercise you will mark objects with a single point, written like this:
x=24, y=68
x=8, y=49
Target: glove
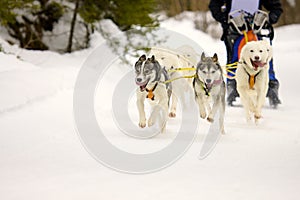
x=273, y=18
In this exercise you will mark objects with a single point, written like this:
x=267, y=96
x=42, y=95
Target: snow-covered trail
x=41, y=156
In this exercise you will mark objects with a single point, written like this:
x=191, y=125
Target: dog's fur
x=254, y=61
x=209, y=87
x=182, y=57
x=150, y=76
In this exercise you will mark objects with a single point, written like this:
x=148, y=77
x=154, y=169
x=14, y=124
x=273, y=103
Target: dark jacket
x=273, y=6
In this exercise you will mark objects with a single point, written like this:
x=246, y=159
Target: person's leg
x=231, y=83
x=273, y=87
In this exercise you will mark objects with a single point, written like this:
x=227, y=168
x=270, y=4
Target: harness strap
x=181, y=69
x=150, y=94
x=180, y=77
x=205, y=88
x=251, y=79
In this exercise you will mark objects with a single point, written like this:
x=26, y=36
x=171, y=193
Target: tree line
x=29, y=22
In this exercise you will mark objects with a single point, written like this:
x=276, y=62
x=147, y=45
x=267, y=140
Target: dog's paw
x=172, y=114
x=203, y=115
x=150, y=122
x=210, y=119
x=222, y=131
x=257, y=116
x=142, y=124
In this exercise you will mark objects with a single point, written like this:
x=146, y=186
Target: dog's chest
x=154, y=96
x=202, y=90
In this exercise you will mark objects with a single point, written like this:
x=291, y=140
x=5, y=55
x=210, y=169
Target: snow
x=42, y=156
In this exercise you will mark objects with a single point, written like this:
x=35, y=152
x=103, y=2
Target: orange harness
x=252, y=80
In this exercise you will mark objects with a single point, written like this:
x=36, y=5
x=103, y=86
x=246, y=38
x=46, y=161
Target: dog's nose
x=138, y=80
x=256, y=57
x=208, y=80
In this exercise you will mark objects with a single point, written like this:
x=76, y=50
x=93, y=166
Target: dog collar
x=150, y=94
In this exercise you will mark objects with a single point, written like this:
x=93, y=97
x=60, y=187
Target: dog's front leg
x=246, y=100
x=141, y=108
x=173, y=106
x=201, y=104
x=222, y=112
x=262, y=89
x=215, y=107
x=260, y=102
x=161, y=110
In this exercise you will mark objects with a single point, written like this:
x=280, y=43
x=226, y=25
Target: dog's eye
x=147, y=71
x=260, y=51
x=204, y=72
x=213, y=72
x=251, y=51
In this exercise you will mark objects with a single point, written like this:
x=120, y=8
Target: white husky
x=252, y=77
x=182, y=57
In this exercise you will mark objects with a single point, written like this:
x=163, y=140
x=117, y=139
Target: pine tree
x=26, y=20
x=124, y=13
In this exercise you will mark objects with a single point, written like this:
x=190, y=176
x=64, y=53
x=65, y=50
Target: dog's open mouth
x=257, y=64
x=143, y=84
x=209, y=85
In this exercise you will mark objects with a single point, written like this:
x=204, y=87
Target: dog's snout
x=138, y=80
x=256, y=57
x=208, y=80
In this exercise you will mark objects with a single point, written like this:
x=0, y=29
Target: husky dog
x=182, y=57
x=252, y=76
x=210, y=89
x=150, y=77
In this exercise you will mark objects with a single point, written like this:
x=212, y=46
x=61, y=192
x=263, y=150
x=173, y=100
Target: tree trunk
x=70, y=42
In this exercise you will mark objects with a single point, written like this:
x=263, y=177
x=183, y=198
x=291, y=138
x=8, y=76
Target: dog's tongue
x=142, y=87
x=258, y=64
x=209, y=85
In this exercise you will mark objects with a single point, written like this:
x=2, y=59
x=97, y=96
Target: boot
x=231, y=92
x=273, y=93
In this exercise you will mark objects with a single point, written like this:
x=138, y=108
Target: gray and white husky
x=150, y=77
x=210, y=89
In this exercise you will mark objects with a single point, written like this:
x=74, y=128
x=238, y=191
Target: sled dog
x=149, y=79
x=210, y=90
x=182, y=57
x=252, y=77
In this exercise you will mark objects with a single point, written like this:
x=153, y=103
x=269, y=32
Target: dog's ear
x=203, y=56
x=142, y=58
x=152, y=59
x=269, y=51
x=215, y=58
